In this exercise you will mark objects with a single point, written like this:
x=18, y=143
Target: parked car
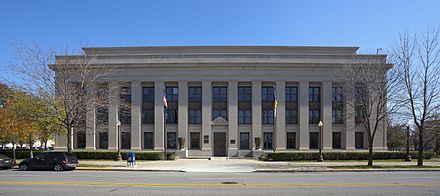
x=5, y=162
x=57, y=161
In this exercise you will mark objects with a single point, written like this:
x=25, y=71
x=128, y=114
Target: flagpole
x=165, y=106
x=275, y=107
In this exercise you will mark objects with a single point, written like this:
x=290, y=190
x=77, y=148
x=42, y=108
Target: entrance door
x=220, y=144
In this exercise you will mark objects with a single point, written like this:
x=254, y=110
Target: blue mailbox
x=131, y=159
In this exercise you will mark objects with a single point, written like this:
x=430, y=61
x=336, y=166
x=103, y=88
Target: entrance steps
x=218, y=158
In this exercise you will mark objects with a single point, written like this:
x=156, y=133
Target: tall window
x=267, y=140
x=336, y=138
x=148, y=105
x=267, y=101
x=148, y=140
x=102, y=109
x=314, y=105
x=244, y=105
x=81, y=140
x=103, y=140
x=314, y=140
x=194, y=141
x=291, y=105
x=244, y=141
x=337, y=105
x=171, y=140
x=195, y=105
x=125, y=104
x=361, y=104
x=220, y=102
x=172, y=100
x=125, y=140
x=291, y=140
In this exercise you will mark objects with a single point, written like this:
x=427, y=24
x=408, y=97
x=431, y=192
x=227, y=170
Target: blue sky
x=52, y=23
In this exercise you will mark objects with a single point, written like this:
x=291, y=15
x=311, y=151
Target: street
x=13, y=182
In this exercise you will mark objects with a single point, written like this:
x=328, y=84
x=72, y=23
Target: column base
x=350, y=148
x=327, y=148
x=135, y=148
x=112, y=148
x=158, y=149
x=182, y=153
x=90, y=148
x=280, y=149
x=304, y=148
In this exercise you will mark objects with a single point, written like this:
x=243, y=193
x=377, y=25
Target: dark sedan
x=57, y=161
x=5, y=162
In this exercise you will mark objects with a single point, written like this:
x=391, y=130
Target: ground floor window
x=267, y=140
x=291, y=140
x=359, y=140
x=103, y=140
x=337, y=140
x=194, y=141
x=244, y=141
x=125, y=140
x=314, y=140
x=148, y=140
x=81, y=140
x=171, y=140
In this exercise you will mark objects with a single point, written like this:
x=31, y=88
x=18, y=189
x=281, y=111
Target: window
x=147, y=105
x=125, y=104
x=103, y=140
x=194, y=141
x=267, y=98
x=244, y=105
x=125, y=140
x=361, y=105
x=81, y=140
x=148, y=140
x=220, y=103
x=291, y=140
x=172, y=100
x=337, y=137
x=314, y=140
x=195, y=105
x=102, y=109
x=314, y=105
x=244, y=141
x=337, y=105
x=206, y=139
x=359, y=140
x=267, y=140
x=171, y=140
x=291, y=105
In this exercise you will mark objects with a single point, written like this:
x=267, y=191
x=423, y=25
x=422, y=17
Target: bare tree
x=418, y=59
x=65, y=83
x=374, y=84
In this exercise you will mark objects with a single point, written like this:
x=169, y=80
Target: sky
x=71, y=24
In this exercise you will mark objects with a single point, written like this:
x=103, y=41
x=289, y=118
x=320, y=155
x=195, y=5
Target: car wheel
x=24, y=167
x=58, y=167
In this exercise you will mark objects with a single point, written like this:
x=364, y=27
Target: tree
x=64, y=84
x=396, y=135
x=418, y=59
x=374, y=84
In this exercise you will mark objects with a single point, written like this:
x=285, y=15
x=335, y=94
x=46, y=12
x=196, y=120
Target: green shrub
x=293, y=156
x=109, y=155
x=21, y=154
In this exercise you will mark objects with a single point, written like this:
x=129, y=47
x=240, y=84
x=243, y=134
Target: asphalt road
x=81, y=183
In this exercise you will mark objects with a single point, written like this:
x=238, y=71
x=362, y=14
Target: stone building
x=221, y=100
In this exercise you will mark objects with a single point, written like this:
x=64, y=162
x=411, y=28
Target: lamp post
x=119, y=157
x=320, y=124
x=408, y=156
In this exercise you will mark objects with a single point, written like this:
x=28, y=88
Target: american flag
x=164, y=100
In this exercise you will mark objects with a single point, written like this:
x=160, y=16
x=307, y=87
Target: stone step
x=218, y=158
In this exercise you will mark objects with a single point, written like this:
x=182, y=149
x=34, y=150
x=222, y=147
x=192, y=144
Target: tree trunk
x=421, y=146
x=31, y=146
x=370, y=155
x=437, y=142
x=69, y=139
x=45, y=144
x=13, y=154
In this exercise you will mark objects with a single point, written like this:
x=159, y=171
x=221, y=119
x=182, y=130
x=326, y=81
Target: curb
x=120, y=169
x=346, y=170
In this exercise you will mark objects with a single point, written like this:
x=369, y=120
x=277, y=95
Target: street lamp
x=119, y=157
x=320, y=124
x=408, y=156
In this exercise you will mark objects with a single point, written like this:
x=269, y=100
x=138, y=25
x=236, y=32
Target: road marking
x=215, y=185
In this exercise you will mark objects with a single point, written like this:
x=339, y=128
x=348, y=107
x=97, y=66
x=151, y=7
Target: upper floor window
x=220, y=102
x=147, y=105
x=268, y=98
x=337, y=105
x=314, y=105
x=291, y=105
x=244, y=105
x=172, y=101
x=195, y=105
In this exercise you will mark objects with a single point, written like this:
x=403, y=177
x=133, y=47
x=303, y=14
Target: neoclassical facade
x=221, y=101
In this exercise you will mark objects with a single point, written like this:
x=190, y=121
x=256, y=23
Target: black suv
x=57, y=161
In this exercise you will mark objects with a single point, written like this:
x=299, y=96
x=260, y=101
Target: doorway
x=220, y=144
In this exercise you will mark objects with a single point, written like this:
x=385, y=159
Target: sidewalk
x=250, y=165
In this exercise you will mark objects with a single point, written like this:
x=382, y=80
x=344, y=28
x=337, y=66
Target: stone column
x=349, y=117
x=206, y=113
x=113, y=115
x=303, y=114
x=256, y=114
x=326, y=89
x=91, y=122
x=280, y=124
x=60, y=141
x=159, y=115
x=136, y=107
x=233, y=117
x=182, y=131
